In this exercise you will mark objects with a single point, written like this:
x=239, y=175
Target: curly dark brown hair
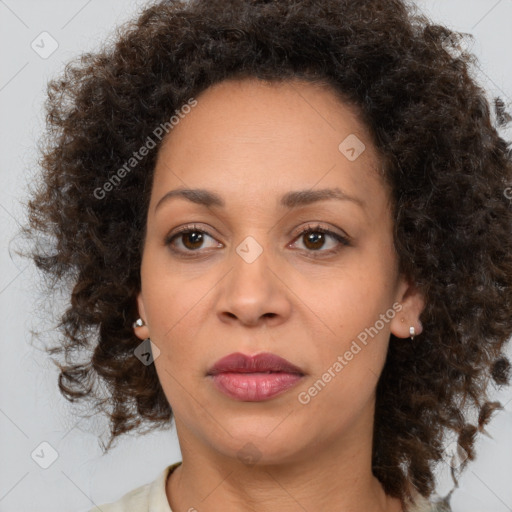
x=443, y=157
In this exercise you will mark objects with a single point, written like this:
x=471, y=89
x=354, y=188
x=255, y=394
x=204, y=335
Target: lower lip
x=254, y=387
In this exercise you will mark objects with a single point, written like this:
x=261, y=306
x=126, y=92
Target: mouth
x=254, y=379
x=264, y=362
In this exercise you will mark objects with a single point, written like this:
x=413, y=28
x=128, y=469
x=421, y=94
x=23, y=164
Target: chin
x=254, y=450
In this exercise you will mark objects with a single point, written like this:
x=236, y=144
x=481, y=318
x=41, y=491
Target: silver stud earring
x=412, y=332
x=138, y=323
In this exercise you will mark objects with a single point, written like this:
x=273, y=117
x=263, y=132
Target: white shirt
x=151, y=497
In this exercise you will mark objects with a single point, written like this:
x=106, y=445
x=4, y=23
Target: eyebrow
x=289, y=200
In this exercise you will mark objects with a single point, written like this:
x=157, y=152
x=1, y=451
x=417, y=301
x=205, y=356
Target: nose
x=253, y=292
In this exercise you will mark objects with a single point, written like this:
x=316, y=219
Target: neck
x=333, y=475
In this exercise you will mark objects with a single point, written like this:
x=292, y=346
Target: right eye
x=191, y=237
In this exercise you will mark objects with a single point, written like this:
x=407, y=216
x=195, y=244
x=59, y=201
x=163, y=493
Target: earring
x=412, y=332
x=138, y=323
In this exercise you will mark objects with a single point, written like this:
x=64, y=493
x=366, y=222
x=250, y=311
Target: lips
x=260, y=363
x=254, y=378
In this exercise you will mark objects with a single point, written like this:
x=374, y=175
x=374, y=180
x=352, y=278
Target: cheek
x=174, y=310
x=348, y=365
x=172, y=305
x=354, y=297
x=353, y=316
x=171, y=294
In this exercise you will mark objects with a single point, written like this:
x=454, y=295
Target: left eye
x=316, y=237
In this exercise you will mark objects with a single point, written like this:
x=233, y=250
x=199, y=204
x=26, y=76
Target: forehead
x=250, y=138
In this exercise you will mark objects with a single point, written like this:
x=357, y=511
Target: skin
x=251, y=142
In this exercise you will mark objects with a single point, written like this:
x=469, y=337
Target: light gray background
x=31, y=408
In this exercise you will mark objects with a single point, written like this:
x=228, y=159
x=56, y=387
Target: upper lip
x=263, y=362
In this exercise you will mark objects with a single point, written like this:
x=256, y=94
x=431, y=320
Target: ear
x=413, y=303
x=143, y=331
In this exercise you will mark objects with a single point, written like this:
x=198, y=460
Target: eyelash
x=344, y=241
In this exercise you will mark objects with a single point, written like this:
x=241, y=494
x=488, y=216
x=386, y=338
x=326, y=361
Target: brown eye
x=195, y=238
x=191, y=238
x=315, y=237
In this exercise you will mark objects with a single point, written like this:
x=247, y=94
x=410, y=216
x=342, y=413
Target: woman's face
x=243, y=279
